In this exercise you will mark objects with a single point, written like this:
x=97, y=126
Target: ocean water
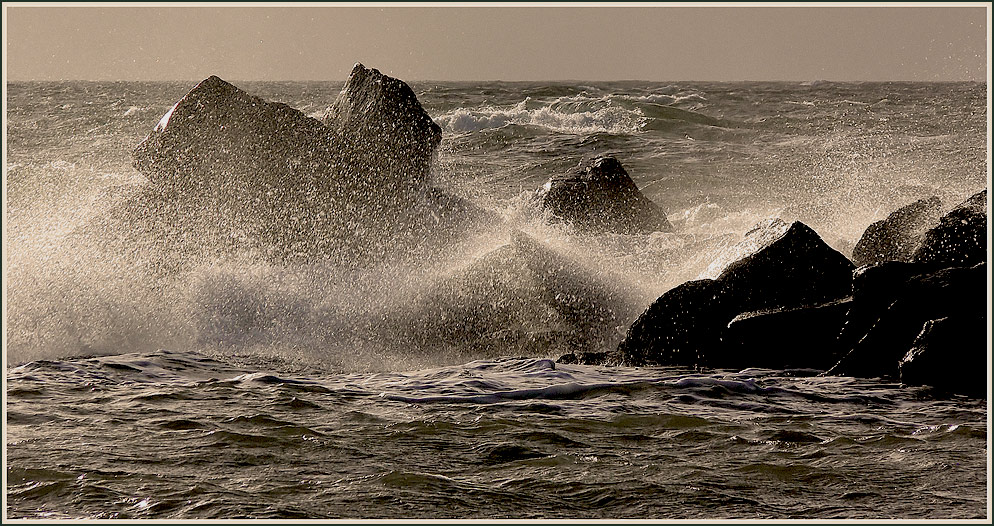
x=243, y=388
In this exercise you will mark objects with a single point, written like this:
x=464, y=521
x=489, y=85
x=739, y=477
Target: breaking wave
x=580, y=114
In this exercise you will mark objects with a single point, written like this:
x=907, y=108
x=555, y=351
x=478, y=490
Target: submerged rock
x=896, y=237
x=950, y=354
x=776, y=266
x=601, y=196
x=521, y=288
x=960, y=238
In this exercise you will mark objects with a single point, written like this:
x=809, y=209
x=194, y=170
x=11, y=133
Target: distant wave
x=582, y=114
x=561, y=115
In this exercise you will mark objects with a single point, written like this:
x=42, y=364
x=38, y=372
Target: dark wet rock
x=956, y=291
x=383, y=134
x=960, y=238
x=896, y=237
x=776, y=266
x=682, y=327
x=786, y=266
x=950, y=354
x=373, y=152
x=875, y=287
x=601, y=196
x=805, y=337
x=584, y=358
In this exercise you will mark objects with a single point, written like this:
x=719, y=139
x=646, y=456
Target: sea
x=242, y=388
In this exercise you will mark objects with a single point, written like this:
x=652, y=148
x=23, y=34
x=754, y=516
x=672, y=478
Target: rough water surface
x=242, y=388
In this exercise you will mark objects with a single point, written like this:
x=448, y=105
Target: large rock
x=219, y=140
x=896, y=237
x=960, y=238
x=957, y=291
x=682, y=327
x=787, y=266
x=383, y=133
x=776, y=266
x=801, y=338
x=601, y=196
x=950, y=355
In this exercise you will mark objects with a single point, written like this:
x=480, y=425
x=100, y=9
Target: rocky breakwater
x=229, y=172
x=600, y=196
x=922, y=320
x=789, y=301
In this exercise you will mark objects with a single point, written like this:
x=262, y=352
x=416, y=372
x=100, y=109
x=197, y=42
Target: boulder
x=800, y=338
x=960, y=238
x=682, y=327
x=601, y=196
x=896, y=237
x=957, y=291
x=220, y=141
x=950, y=354
x=776, y=266
x=383, y=134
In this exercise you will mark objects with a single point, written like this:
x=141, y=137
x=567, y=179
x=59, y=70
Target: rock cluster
x=787, y=300
x=231, y=172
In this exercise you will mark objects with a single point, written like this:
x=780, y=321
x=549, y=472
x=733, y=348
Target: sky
x=586, y=42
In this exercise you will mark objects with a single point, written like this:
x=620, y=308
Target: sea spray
x=324, y=368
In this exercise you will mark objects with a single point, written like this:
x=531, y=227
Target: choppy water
x=316, y=391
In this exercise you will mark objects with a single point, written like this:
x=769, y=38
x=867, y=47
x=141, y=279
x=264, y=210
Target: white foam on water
x=577, y=115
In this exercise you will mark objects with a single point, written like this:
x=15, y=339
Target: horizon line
x=506, y=81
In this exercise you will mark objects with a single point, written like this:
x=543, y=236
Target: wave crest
x=578, y=115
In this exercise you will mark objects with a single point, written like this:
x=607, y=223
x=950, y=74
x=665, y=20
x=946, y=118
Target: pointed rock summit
x=383, y=130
